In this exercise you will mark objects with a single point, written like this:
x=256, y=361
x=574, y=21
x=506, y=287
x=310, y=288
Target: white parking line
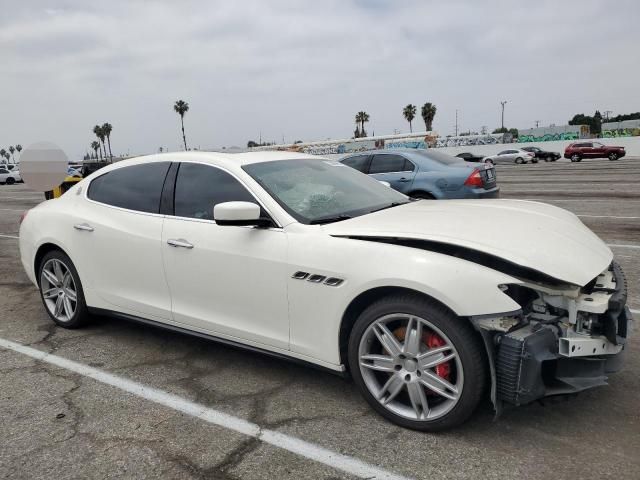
x=623, y=246
x=12, y=209
x=634, y=311
x=295, y=445
x=8, y=236
x=609, y=216
x=22, y=198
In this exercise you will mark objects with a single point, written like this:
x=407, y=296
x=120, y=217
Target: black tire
x=81, y=314
x=613, y=156
x=575, y=157
x=11, y=180
x=422, y=196
x=519, y=161
x=466, y=341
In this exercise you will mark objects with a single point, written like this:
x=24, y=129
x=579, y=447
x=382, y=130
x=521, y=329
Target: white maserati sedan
x=428, y=305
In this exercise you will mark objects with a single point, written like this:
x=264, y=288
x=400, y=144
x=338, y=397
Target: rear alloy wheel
x=61, y=291
x=613, y=156
x=10, y=180
x=575, y=157
x=519, y=160
x=417, y=364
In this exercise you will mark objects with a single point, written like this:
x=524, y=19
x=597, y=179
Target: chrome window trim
x=162, y=215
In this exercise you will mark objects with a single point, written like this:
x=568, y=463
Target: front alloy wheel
x=613, y=156
x=404, y=354
x=416, y=363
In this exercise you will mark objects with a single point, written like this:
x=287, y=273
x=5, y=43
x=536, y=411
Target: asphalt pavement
x=263, y=418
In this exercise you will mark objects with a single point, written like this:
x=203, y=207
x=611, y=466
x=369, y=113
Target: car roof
x=216, y=158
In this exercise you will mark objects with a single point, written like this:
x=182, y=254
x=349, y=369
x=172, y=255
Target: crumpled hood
x=534, y=235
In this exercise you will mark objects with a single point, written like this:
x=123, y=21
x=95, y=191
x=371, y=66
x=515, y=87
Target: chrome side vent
x=315, y=278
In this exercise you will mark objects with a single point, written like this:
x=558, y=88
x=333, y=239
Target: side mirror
x=239, y=214
x=386, y=184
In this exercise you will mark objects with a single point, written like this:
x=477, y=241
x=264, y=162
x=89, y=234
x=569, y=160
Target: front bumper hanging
x=539, y=360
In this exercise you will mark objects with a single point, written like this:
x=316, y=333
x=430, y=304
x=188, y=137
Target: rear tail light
x=23, y=215
x=474, y=180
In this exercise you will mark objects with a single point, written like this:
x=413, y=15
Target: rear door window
x=137, y=187
x=201, y=187
x=390, y=163
x=359, y=162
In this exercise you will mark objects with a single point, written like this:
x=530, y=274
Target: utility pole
x=537, y=123
x=606, y=114
x=456, y=122
x=503, y=103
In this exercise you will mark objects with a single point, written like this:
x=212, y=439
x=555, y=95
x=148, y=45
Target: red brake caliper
x=433, y=340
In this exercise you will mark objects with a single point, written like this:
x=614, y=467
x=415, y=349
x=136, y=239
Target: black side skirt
x=231, y=343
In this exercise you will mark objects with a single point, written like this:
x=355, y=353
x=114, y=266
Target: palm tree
x=362, y=118
x=181, y=107
x=95, y=145
x=100, y=134
x=409, y=113
x=19, y=148
x=12, y=149
x=106, y=129
x=2, y=152
x=428, y=113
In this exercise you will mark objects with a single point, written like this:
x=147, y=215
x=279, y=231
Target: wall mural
x=464, y=140
x=621, y=132
x=549, y=137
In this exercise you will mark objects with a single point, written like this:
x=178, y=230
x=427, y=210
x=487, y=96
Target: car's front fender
x=317, y=310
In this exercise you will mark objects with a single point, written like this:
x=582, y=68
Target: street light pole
x=503, y=103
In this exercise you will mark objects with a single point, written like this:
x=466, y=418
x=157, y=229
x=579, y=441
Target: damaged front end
x=563, y=340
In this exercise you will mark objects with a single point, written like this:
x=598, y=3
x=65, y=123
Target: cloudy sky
x=302, y=69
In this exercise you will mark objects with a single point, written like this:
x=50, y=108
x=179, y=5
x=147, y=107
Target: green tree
x=409, y=113
x=106, y=129
x=12, y=149
x=101, y=136
x=95, y=145
x=19, y=148
x=362, y=118
x=181, y=107
x=428, y=112
x=2, y=153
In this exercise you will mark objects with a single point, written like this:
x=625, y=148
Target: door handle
x=403, y=179
x=179, y=242
x=83, y=226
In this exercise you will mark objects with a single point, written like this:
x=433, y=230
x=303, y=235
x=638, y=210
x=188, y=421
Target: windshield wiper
x=391, y=205
x=323, y=220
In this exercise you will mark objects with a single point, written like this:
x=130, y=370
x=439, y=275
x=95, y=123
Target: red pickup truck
x=579, y=150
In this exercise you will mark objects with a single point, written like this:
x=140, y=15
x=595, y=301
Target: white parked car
x=512, y=155
x=9, y=176
x=425, y=303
